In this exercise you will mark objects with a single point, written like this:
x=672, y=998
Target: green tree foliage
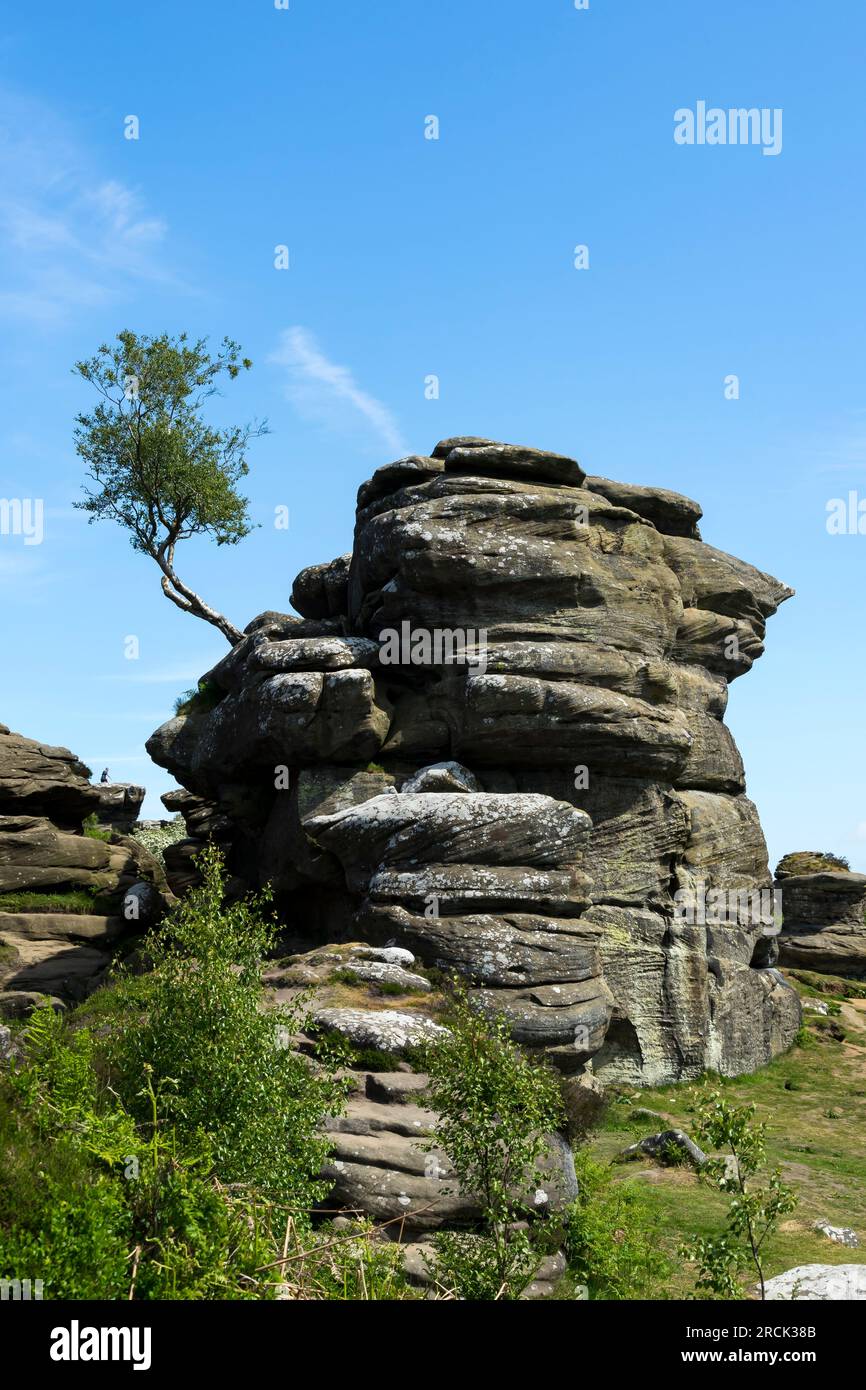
x=155, y=465
x=494, y=1108
x=754, y=1210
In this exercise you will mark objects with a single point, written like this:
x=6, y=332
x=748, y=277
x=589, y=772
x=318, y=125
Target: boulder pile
x=494, y=737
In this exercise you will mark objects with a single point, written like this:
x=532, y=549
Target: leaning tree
x=154, y=464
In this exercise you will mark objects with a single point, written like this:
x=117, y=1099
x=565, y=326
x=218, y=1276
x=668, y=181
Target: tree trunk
x=190, y=602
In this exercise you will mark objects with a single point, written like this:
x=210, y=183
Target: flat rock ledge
x=388, y=1030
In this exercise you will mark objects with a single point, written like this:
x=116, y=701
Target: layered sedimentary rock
x=67, y=898
x=824, y=911
x=494, y=735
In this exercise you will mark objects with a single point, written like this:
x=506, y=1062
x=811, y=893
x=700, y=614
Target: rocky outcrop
x=119, y=805
x=67, y=898
x=824, y=914
x=494, y=736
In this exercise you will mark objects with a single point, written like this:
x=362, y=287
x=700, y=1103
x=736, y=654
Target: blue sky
x=411, y=257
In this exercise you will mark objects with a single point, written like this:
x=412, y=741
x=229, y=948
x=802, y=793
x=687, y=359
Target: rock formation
x=824, y=912
x=495, y=737
x=66, y=897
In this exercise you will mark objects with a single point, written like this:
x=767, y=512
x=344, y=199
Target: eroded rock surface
x=495, y=738
x=384, y=1162
x=66, y=898
x=824, y=911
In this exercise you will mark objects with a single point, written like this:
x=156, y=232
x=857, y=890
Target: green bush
x=612, y=1236
x=811, y=862
x=494, y=1108
x=93, y=830
x=220, y=1063
x=98, y=1206
x=151, y=1144
x=62, y=1220
x=345, y=975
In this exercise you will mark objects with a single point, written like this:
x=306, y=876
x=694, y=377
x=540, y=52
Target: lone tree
x=156, y=466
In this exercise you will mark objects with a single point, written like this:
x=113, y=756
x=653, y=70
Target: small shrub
x=754, y=1211
x=93, y=830
x=612, y=1236
x=494, y=1107
x=150, y=1145
x=834, y=985
x=374, y=1059
x=124, y=1210
x=200, y=699
x=61, y=1219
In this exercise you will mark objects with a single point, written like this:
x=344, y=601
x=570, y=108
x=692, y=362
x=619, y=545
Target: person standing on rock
x=105, y=777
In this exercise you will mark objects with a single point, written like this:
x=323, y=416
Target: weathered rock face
x=66, y=898
x=824, y=910
x=537, y=661
x=119, y=805
x=382, y=1164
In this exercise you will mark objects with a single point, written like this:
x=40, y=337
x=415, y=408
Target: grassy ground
x=813, y=1101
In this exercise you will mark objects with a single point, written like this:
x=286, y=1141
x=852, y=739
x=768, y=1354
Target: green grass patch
x=77, y=901
x=813, y=1101
x=812, y=985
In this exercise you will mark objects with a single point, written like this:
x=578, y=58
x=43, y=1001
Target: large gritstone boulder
x=495, y=738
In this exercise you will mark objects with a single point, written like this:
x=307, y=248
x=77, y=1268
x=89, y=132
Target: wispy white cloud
x=70, y=237
x=318, y=387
